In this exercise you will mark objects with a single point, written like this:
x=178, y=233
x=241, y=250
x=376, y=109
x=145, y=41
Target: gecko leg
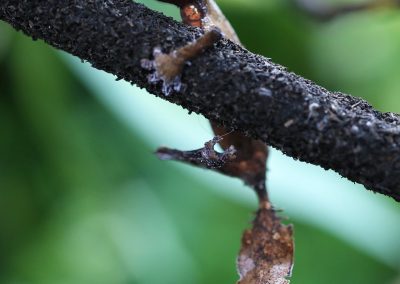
x=205, y=157
x=167, y=67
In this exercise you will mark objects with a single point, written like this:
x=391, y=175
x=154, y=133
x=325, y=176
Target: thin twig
x=326, y=12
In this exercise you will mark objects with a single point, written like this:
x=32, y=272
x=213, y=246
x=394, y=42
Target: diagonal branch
x=326, y=12
x=227, y=84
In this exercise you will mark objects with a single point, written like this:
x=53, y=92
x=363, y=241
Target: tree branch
x=326, y=12
x=226, y=84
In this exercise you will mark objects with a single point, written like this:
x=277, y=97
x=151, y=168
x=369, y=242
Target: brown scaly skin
x=251, y=155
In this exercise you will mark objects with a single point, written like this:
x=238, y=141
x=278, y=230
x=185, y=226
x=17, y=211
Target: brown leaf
x=266, y=256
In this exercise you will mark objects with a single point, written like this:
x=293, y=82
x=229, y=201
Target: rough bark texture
x=226, y=84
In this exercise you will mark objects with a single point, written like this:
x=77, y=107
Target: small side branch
x=326, y=12
x=227, y=84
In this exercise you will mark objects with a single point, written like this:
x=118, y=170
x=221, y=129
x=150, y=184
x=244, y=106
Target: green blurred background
x=84, y=200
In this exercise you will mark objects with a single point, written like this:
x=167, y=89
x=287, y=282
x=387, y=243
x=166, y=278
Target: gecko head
x=192, y=15
x=193, y=12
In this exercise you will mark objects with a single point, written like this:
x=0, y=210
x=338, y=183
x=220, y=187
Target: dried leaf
x=266, y=256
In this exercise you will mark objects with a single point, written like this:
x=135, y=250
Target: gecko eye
x=191, y=15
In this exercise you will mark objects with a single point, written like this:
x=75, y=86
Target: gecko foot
x=167, y=68
x=205, y=157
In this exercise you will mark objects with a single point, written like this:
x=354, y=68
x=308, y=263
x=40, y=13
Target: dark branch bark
x=227, y=84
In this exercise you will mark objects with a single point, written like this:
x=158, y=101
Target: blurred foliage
x=84, y=200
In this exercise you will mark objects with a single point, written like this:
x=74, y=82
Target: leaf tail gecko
x=251, y=155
